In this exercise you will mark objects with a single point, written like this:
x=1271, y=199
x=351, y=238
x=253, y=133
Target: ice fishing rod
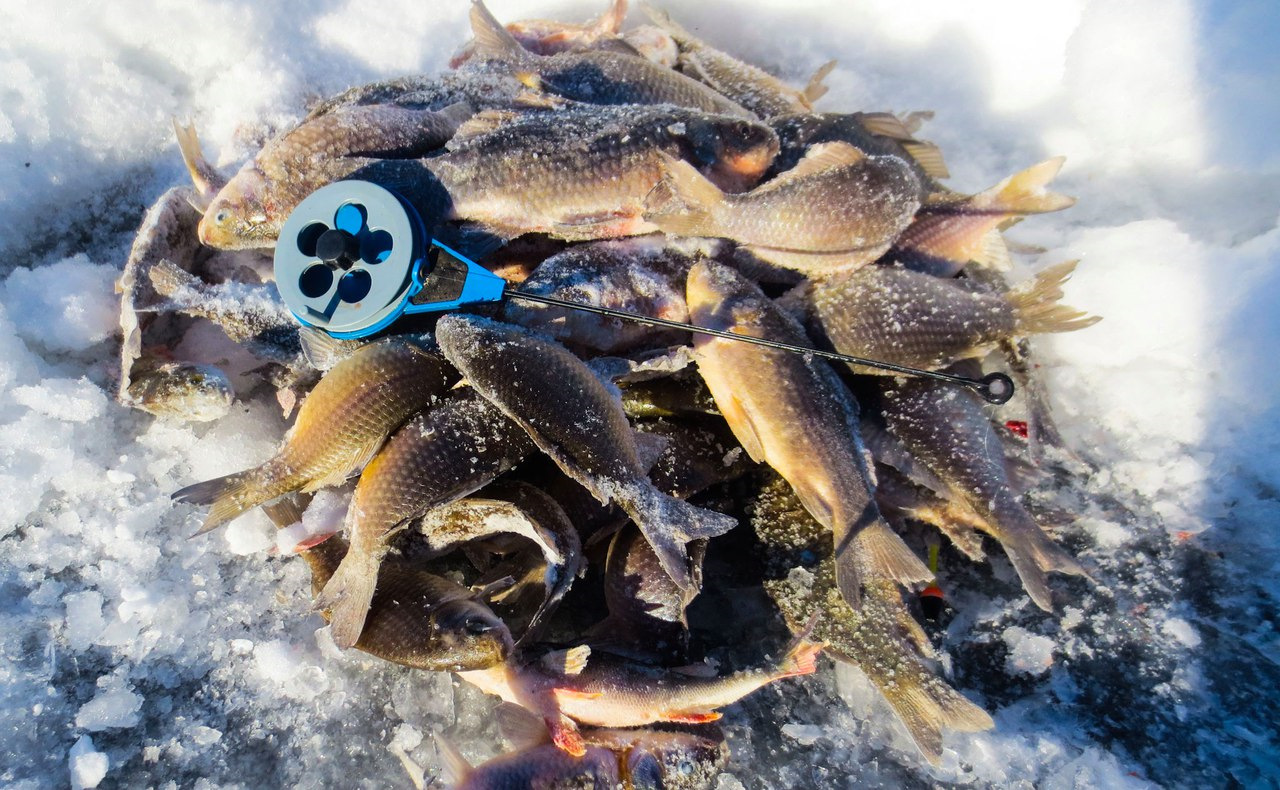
x=354, y=257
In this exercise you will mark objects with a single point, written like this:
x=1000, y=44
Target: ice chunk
x=1028, y=653
x=70, y=400
x=88, y=766
x=1182, y=631
x=84, y=620
x=115, y=705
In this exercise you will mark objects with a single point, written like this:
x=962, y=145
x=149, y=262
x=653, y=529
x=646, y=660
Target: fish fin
x=801, y=659
x=1033, y=554
x=890, y=557
x=204, y=177
x=481, y=123
x=360, y=456
x=681, y=203
x=348, y=595
x=1025, y=192
x=492, y=40
x=925, y=709
x=814, y=89
x=1023, y=248
x=530, y=80
x=818, y=159
x=454, y=764
x=668, y=524
x=691, y=716
x=565, y=735
x=611, y=20
x=228, y=496
x=567, y=662
x=1037, y=308
x=928, y=156
x=487, y=592
x=663, y=21
x=649, y=448
x=287, y=510
x=885, y=124
x=574, y=694
x=519, y=726
x=995, y=252
x=322, y=350
x=744, y=430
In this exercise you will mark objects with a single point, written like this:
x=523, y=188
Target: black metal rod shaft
x=994, y=388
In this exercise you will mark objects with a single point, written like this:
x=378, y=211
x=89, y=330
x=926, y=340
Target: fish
x=581, y=173
x=654, y=44
x=551, y=37
x=253, y=316
x=794, y=414
x=945, y=428
x=698, y=455
x=574, y=687
x=952, y=230
x=642, y=275
x=185, y=391
x=747, y=85
x=894, y=314
x=596, y=77
x=339, y=427
x=679, y=395
x=879, y=133
x=837, y=208
x=441, y=455
x=881, y=638
x=416, y=619
x=535, y=767
x=578, y=421
x=642, y=759
x=897, y=494
x=514, y=510
x=646, y=618
x=250, y=209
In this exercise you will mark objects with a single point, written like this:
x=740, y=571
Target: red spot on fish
x=312, y=542
x=1018, y=427
x=1184, y=536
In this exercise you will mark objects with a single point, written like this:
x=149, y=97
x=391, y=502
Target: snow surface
x=196, y=662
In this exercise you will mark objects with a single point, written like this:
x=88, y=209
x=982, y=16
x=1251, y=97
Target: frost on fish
x=881, y=638
x=579, y=422
x=644, y=276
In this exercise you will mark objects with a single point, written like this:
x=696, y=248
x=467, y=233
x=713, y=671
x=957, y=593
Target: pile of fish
x=538, y=495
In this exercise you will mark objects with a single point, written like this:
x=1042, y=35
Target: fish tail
x=287, y=511
x=1036, y=303
x=926, y=705
x=681, y=203
x=815, y=89
x=1033, y=553
x=492, y=40
x=347, y=595
x=801, y=659
x=228, y=496
x=668, y=524
x=1025, y=192
x=887, y=555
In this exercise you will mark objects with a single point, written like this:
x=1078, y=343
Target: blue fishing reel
x=355, y=256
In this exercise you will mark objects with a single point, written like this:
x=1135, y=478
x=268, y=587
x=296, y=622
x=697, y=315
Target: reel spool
x=355, y=256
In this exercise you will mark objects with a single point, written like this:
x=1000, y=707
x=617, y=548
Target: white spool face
x=350, y=295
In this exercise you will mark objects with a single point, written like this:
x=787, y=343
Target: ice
x=88, y=766
x=197, y=662
x=1028, y=653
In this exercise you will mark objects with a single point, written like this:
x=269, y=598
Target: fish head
x=720, y=298
x=238, y=217
x=734, y=152
x=470, y=634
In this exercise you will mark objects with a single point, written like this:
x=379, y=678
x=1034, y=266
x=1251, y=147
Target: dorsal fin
x=482, y=122
x=818, y=159
x=567, y=662
x=814, y=89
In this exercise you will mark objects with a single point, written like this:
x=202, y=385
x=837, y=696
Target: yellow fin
x=887, y=554
x=1036, y=303
x=814, y=89
x=567, y=662
x=206, y=179
x=681, y=203
x=1025, y=192
x=492, y=40
x=482, y=122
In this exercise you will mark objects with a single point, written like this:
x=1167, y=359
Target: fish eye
x=222, y=217
x=476, y=626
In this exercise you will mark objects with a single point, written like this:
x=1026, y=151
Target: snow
x=197, y=661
